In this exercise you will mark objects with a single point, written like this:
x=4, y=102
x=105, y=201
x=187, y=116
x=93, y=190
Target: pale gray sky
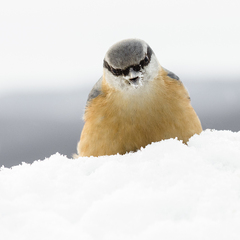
x=58, y=44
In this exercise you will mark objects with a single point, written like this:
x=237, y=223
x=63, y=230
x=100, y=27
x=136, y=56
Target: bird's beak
x=134, y=77
x=133, y=74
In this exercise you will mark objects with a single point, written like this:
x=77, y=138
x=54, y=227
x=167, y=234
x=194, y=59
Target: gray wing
x=174, y=76
x=171, y=74
x=96, y=90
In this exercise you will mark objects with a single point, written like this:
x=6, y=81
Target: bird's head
x=130, y=64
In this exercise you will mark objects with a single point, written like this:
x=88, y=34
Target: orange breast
x=119, y=122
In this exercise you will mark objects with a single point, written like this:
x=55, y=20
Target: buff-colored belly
x=117, y=125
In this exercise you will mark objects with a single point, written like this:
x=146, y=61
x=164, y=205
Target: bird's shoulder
x=96, y=90
x=171, y=74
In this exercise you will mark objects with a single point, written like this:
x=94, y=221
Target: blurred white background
x=51, y=53
x=57, y=44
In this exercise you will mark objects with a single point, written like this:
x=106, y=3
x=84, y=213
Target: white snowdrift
x=166, y=191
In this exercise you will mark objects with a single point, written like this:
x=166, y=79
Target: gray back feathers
x=171, y=74
x=96, y=90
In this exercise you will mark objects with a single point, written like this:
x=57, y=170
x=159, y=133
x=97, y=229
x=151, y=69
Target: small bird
x=135, y=102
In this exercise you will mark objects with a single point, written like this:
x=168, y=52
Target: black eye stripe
x=142, y=64
x=149, y=53
x=137, y=68
x=126, y=71
x=114, y=71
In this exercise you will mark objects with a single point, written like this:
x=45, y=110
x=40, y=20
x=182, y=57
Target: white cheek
x=113, y=81
x=152, y=69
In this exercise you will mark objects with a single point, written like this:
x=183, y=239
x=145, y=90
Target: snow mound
x=165, y=191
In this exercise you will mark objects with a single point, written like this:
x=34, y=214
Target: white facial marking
x=143, y=77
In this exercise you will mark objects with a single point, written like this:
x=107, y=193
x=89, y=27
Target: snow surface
x=165, y=191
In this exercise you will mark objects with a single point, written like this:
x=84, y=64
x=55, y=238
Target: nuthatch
x=135, y=102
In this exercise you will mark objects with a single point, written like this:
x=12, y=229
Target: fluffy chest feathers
x=119, y=122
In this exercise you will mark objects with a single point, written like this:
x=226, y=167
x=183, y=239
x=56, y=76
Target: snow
x=167, y=190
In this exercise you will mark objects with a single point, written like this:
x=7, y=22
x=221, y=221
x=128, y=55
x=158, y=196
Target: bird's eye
x=146, y=60
x=125, y=71
x=116, y=72
x=136, y=68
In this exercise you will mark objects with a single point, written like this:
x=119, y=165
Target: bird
x=134, y=103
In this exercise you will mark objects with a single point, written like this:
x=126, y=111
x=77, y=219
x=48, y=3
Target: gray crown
x=126, y=53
